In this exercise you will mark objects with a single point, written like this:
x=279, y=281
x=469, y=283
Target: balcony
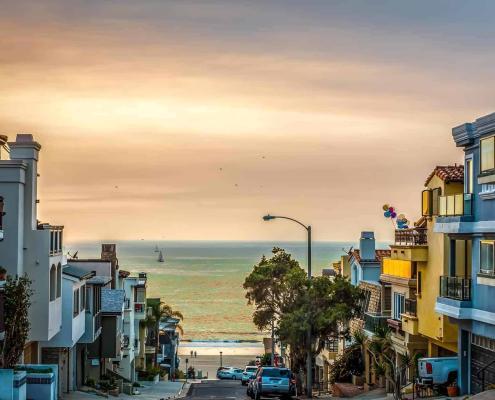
x=455, y=287
x=409, y=317
x=56, y=238
x=411, y=237
x=373, y=322
x=455, y=205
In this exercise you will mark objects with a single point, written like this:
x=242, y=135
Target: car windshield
x=274, y=372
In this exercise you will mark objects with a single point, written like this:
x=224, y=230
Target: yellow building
x=426, y=254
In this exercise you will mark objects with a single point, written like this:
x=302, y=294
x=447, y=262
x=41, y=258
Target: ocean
x=203, y=280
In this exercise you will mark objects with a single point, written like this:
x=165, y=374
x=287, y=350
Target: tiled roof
x=100, y=280
x=112, y=301
x=77, y=272
x=379, y=254
x=449, y=173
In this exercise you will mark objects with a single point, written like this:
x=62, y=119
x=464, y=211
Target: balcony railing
x=455, y=287
x=411, y=237
x=373, y=322
x=455, y=205
x=411, y=307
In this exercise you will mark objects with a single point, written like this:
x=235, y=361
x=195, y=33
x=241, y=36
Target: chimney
x=367, y=246
x=26, y=149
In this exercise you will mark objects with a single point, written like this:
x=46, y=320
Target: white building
x=61, y=349
x=28, y=246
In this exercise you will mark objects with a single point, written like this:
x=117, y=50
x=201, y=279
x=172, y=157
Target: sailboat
x=160, y=257
x=156, y=249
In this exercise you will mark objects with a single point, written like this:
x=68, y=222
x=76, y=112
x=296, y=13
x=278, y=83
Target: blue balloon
x=387, y=214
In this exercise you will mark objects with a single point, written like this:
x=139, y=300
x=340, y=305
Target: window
x=435, y=199
x=87, y=298
x=486, y=256
x=59, y=280
x=2, y=213
x=399, y=300
x=75, y=305
x=82, y=303
x=53, y=282
x=387, y=299
x=487, y=154
x=426, y=203
x=469, y=176
x=419, y=283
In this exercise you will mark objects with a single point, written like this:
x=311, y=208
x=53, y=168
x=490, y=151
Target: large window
x=2, y=213
x=399, y=302
x=75, y=306
x=53, y=282
x=83, y=298
x=487, y=152
x=486, y=256
x=59, y=280
x=469, y=176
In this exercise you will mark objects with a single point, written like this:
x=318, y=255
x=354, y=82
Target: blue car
x=230, y=373
x=249, y=373
x=274, y=382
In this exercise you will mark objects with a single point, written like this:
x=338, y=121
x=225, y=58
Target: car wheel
x=234, y=378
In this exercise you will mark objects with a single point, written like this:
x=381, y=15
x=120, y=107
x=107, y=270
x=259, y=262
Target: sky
x=192, y=119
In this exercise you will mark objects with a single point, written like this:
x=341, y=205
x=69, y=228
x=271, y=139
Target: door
x=482, y=358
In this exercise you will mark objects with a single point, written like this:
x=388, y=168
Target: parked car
x=437, y=370
x=249, y=373
x=230, y=373
x=274, y=382
x=222, y=369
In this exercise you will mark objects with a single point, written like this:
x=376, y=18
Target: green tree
x=18, y=294
x=326, y=307
x=159, y=312
x=273, y=287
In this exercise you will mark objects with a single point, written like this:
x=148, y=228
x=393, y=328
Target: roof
x=112, y=301
x=448, y=173
x=100, y=280
x=77, y=272
x=379, y=254
x=124, y=274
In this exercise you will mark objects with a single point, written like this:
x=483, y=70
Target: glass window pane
x=486, y=256
x=426, y=202
x=487, y=154
x=469, y=176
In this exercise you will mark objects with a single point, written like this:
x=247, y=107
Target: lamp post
x=221, y=360
x=309, y=361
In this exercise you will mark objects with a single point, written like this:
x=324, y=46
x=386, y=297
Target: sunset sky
x=192, y=119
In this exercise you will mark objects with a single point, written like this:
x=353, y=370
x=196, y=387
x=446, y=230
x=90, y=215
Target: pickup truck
x=437, y=370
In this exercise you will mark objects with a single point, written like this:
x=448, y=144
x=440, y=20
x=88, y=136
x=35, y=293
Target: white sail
x=160, y=257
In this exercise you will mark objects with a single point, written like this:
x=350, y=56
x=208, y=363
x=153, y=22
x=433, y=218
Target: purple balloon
x=393, y=214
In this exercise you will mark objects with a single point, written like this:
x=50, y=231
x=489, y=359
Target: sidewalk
x=161, y=390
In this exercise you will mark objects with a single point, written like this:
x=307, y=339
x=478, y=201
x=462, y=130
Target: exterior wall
x=434, y=326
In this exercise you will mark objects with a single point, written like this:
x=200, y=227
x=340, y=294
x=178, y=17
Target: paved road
x=221, y=390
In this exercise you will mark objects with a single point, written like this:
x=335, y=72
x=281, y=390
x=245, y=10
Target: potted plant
x=453, y=389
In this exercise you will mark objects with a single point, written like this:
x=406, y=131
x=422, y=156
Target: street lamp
x=221, y=360
x=309, y=362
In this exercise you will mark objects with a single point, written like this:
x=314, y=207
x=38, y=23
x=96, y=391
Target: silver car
x=230, y=373
x=274, y=382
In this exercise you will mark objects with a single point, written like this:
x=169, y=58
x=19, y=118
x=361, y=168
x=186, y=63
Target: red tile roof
x=449, y=173
x=379, y=254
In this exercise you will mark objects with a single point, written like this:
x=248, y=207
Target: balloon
x=387, y=214
x=393, y=214
x=391, y=209
x=385, y=207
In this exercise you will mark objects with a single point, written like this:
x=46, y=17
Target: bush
x=90, y=382
x=348, y=364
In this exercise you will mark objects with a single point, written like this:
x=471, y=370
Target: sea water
x=203, y=280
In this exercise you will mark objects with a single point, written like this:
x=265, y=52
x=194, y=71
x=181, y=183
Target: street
x=223, y=389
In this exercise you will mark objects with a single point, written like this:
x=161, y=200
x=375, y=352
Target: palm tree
x=158, y=312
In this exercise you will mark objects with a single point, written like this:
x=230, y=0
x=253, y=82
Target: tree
x=325, y=307
x=159, y=312
x=281, y=293
x=16, y=307
x=273, y=287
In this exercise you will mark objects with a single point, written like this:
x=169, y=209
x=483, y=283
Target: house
x=61, y=349
x=365, y=262
x=28, y=246
x=169, y=345
x=468, y=285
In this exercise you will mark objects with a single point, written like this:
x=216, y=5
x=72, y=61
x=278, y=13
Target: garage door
x=482, y=358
